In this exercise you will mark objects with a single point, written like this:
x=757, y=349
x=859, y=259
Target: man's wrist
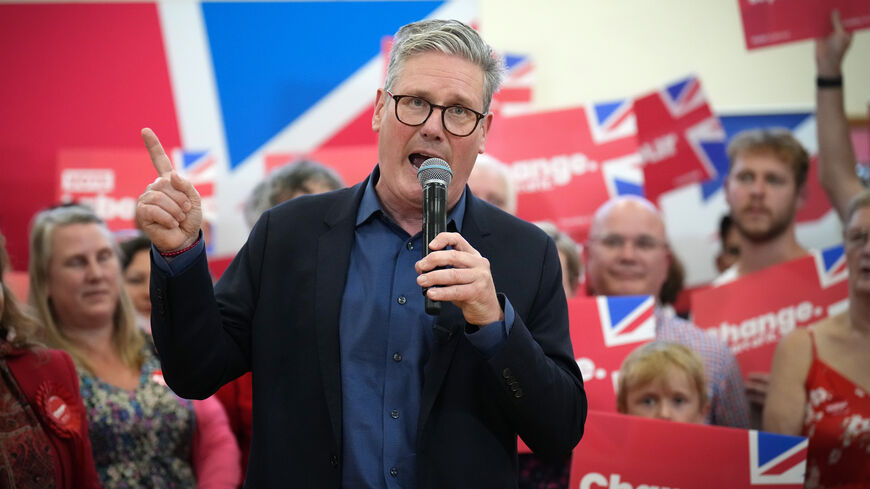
x=182, y=249
x=824, y=82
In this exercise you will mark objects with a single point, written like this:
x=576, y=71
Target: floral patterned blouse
x=141, y=438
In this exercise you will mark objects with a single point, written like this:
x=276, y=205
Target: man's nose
x=433, y=127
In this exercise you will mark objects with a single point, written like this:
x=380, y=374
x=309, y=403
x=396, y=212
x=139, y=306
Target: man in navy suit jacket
x=354, y=384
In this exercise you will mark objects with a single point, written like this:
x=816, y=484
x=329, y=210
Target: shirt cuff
x=490, y=338
x=175, y=265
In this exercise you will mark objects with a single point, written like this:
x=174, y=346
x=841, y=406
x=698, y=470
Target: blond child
x=664, y=381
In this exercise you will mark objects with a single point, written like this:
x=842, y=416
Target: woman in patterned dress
x=44, y=433
x=820, y=379
x=142, y=434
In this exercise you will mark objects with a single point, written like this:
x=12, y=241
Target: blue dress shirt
x=385, y=337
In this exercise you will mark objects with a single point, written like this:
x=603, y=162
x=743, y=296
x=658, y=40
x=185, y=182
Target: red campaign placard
x=107, y=180
x=629, y=452
x=558, y=159
x=680, y=140
x=753, y=312
x=771, y=22
x=604, y=330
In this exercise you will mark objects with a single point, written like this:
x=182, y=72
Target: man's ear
x=380, y=106
x=485, y=124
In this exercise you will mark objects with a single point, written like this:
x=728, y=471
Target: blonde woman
x=142, y=434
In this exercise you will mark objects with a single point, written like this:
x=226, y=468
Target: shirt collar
x=370, y=205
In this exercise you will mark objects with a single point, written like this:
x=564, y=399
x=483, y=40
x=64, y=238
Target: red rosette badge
x=157, y=376
x=59, y=408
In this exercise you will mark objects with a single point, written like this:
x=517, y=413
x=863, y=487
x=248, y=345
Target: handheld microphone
x=434, y=176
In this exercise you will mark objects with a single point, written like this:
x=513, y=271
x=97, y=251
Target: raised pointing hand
x=170, y=209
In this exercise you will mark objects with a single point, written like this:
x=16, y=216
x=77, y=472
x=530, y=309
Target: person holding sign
x=628, y=254
x=354, y=384
x=836, y=154
x=820, y=379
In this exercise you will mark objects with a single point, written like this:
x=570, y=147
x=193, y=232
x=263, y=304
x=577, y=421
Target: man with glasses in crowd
x=354, y=384
x=627, y=253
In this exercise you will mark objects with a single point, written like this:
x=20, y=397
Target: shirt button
x=394, y=472
x=394, y=414
x=409, y=245
x=397, y=357
x=401, y=299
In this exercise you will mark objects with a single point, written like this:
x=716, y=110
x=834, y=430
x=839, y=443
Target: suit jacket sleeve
x=203, y=333
x=540, y=385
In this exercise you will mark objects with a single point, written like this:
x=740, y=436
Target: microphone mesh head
x=434, y=169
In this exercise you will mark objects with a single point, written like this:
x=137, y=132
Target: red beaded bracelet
x=169, y=254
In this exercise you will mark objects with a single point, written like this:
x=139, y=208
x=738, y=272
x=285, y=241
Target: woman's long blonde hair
x=127, y=338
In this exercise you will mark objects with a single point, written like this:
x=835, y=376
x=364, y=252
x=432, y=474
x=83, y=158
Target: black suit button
x=506, y=373
x=397, y=357
x=519, y=393
x=394, y=472
x=333, y=460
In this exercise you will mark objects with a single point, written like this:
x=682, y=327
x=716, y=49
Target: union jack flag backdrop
x=233, y=80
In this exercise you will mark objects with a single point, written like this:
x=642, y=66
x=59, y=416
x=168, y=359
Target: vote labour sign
x=107, y=180
x=752, y=313
x=629, y=452
x=567, y=162
x=770, y=22
x=679, y=139
x=604, y=330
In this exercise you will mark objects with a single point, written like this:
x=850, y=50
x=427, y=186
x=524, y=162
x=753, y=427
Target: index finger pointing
x=155, y=151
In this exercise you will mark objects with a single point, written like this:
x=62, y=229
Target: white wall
x=598, y=50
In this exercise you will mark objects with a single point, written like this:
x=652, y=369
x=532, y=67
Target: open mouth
x=417, y=159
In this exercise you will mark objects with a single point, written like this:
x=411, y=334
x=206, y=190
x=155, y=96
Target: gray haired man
x=354, y=384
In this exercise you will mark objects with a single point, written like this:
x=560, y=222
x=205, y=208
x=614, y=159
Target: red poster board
x=107, y=180
x=771, y=22
x=680, y=140
x=752, y=313
x=558, y=159
x=629, y=452
x=604, y=330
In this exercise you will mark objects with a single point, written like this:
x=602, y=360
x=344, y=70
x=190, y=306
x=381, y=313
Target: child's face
x=672, y=396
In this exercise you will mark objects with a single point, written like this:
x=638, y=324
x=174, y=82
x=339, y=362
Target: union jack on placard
x=627, y=319
x=831, y=265
x=515, y=94
x=200, y=168
x=776, y=459
x=623, y=177
x=612, y=120
x=683, y=96
x=706, y=138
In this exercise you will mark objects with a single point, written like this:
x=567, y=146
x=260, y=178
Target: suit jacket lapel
x=333, y=258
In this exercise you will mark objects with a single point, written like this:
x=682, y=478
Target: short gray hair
x=297, y=177
x=858, y=201
x=448, y=37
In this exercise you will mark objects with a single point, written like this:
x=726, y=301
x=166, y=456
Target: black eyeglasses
x=456, y=119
